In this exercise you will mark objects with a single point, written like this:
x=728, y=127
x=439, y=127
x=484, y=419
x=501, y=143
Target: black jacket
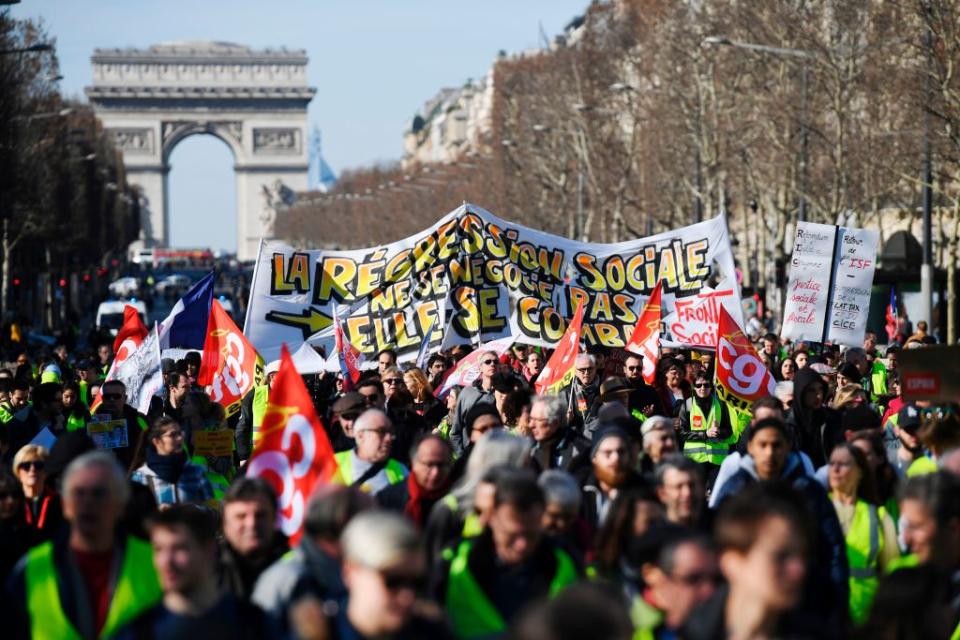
x=583, y=402
x=237, y=575
x=708, y=622
x=815, y=433
x=566, y=450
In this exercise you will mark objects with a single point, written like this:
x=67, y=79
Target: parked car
x=124, y=287
x=173, y=284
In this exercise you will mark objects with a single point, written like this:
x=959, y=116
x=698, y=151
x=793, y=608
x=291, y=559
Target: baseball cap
x=908, y=418
x=350, y=403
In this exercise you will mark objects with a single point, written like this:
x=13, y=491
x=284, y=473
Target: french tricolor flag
x=348, y=356
x=186, y=326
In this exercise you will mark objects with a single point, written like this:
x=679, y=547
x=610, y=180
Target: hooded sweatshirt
x=815, y=432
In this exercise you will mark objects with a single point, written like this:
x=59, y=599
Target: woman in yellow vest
x=75, y=413
x=705, y=428
x=869, y=531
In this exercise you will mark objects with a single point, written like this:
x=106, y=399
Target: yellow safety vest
x=864, y=544
x=394, y=470
x=471, y=522
x=137, y=590
x=646, y=619
x=261, y=397
x=469, y=608
x=712, y=452
x=76, y=423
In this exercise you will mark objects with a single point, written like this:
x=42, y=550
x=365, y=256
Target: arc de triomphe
x=255, y=101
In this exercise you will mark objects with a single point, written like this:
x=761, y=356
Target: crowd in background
x=614, y=508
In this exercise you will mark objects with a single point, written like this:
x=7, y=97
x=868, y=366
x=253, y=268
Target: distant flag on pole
x=131, y=333
x=347, y=355
x=892, y=315
x=424, y=354
x=186, y=326
x=645, y=341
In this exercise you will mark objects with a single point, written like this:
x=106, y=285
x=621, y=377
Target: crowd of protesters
x=612, y=509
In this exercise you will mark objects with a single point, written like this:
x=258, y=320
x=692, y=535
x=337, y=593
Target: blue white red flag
x=186, y=326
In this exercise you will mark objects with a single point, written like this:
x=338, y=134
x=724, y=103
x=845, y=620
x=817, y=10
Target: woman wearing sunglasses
x=705, y=428
x=42, y=509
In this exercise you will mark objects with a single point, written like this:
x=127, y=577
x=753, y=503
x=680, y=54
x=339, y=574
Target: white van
x=110, y=314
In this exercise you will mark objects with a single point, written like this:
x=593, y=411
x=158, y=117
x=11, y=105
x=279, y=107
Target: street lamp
x=711, y=41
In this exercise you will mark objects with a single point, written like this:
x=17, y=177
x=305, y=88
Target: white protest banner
x=808, y=287
x=141, y=373
x=831, y=274
x=482, y=278
x=854, y=264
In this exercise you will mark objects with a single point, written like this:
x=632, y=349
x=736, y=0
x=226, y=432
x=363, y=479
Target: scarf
x=420, y=500
x=168, y=468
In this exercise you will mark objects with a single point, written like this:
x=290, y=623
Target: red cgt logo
x=922, y=383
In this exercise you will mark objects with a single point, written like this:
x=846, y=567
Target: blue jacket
x=827, y=591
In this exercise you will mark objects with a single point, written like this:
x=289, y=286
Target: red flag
x=558, y=371
x=645, y=340
x=229, y=364
x=130, y=335
x=294, y=453
x=740, y=374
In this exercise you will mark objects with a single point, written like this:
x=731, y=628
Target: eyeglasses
x=393, y=381
x=488, y=361
x=173, y=434
x=31, y=464
x=397, y=581
x=372, y=398
x=586, y=370
x=634, y=368
x=703, y=385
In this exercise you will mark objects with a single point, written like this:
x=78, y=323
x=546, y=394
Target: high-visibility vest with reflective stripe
x=864, y=543
x=921, y=467
x=261, y=396
x=713, y=452
x=469, y=608
x=394, y=470
x=84, y=387
x=878, y=380
x=471, y=522
x=137, y=590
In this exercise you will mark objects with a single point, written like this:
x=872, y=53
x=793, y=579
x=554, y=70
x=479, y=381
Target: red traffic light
x=16, y=282
x=63, y=282
x=86, y=277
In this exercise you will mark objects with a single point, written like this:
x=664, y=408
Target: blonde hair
x=29, y=452
x=421, y=379
x=379, y=539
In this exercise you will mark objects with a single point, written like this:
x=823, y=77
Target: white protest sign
x=831, y=274
x=809, y=284
x=473, y=277
x=855, y=263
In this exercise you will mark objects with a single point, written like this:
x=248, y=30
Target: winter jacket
x=566, y=450
x=827, y=591
x=469, y=398
x=583, y=401
x=815, y=433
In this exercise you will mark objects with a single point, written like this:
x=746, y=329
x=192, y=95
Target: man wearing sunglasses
x=582, y=397
x=481, y=392
x=705, y=428
x=115, y=407
x=368, y=466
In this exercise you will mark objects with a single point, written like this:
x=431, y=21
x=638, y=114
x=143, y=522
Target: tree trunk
x=5, y=287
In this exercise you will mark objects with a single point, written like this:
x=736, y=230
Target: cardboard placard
x=108, y=434
x=213, y=443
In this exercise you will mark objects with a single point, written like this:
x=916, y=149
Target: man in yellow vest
x=91, y=581
x=252, y=410
x=706, y=429
x=368, y=466
x=486, y=581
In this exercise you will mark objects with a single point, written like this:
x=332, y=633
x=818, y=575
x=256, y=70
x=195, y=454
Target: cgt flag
x=741, y=376
x=347, y=355
x=230, y=363
x=294, y=453
x=559, y=369
x=645, y=341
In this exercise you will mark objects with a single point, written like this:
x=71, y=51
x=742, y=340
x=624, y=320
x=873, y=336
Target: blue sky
x=373, y=62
